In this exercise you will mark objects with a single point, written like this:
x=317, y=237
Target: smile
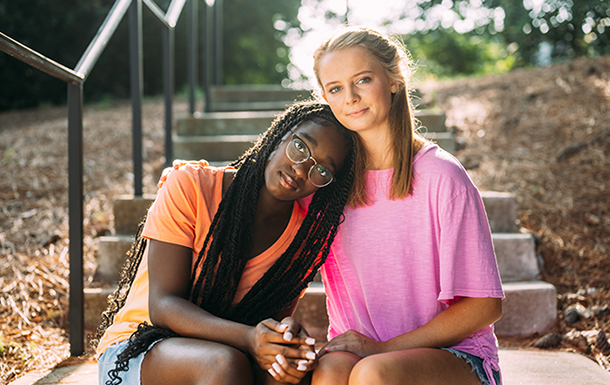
x=357, y=113
x=287, y=182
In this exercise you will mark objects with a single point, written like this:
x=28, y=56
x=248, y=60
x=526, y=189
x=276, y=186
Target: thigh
x=414, y=367
x=334, y=368
x=191, y=361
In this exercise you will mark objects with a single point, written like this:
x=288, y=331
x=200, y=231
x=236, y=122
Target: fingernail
x=283, y=327
x=288, y=336
x=277, y=367
x=302, y=362
x=280, y=359
x=310, y=341
x=272, y=372
x=302, y=368
x=311, y=355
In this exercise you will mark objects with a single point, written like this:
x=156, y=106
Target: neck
x=271, y=209
x=378, y=149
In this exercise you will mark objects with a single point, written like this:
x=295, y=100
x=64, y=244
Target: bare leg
x=190, y=361
x=413, y=367
x=334, y=368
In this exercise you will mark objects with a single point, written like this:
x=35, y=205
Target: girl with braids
x=224, y=254
x=412, y=280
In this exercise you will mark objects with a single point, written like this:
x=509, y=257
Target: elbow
x=496, y=310
x=158, y=311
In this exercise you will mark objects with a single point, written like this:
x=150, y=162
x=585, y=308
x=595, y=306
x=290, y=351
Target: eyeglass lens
x=298, y=152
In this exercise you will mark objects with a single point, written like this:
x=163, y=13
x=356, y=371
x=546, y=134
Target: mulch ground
x=543, y=134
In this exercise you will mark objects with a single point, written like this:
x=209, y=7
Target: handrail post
x=75, y=210
x=135, y=48
x=168, y=89
x=208, y=50
x=218, y=36
x=192, y=53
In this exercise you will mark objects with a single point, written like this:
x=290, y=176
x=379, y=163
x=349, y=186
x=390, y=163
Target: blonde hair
x=398, y=66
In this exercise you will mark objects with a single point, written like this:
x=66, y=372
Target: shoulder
x=438, y=172
x=432, y=160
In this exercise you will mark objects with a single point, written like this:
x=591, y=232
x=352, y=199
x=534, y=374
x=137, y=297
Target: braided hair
x=228, y=244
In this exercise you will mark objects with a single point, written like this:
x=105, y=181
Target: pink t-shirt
x=396, y=264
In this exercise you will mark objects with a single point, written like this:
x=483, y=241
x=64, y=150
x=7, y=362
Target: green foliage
x=444, y=52
x=252, y=43
x=63, y=31
x=568, y=28
x=571, y=28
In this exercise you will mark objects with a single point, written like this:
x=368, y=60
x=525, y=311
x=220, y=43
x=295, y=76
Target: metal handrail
x=75, y=80
x=36, y=60
x=100, y=41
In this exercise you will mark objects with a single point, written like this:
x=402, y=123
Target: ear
x=394, y=87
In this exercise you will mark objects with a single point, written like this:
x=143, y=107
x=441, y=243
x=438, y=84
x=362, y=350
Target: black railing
x=75, y=79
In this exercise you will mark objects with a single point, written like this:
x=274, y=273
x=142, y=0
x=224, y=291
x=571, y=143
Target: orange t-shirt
x=182, y=214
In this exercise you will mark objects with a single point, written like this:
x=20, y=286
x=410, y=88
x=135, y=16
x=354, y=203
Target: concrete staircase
x=112, y=251
x=239, y=115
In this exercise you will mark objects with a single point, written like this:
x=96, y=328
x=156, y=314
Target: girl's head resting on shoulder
x=365, y=76
x=306, y=159
x=305, y=131
x=322, y=152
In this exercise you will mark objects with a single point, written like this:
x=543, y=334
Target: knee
x=334, y=369
x=230, y=366
x=369, y=370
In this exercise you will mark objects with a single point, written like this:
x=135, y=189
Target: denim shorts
x=106, y=362
x=477, y=366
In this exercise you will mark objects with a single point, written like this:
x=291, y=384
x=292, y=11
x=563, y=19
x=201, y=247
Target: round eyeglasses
x=298, y=152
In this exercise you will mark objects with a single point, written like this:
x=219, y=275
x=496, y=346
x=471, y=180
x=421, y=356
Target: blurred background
x=271, y=41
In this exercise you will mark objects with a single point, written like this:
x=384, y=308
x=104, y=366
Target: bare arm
x=169, y=270
x=449, y=327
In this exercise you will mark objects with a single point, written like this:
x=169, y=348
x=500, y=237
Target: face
x=357, y=89
x=286, y=180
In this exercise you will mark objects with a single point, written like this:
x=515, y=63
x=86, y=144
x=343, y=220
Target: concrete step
x=225, y=123
x=213, y=147
x=311, y=311
x=516, y=256
x=445, y=140
x=432, y=120
x=529, y=307
x=249, y=122
x=96, y=302
x=128, y=212
x=223, y=147
x=256, y=93
x=501, y=208
x=519, y=367
x=111, y=255
x=250, y=106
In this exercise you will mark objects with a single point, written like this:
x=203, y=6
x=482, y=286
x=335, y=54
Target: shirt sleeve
x=173, y=216
x=468, y=266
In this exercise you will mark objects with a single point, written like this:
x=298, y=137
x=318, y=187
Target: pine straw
x=540, y=133
x=34, y=264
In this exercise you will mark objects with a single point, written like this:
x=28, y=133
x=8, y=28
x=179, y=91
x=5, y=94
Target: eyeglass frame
x=294, y=138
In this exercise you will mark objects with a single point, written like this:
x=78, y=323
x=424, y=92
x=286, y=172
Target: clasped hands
x=284, y=349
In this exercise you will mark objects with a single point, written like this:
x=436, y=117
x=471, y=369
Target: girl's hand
x=353, y=342
x=283, y=370
x=268, y=347
x=176, y=164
